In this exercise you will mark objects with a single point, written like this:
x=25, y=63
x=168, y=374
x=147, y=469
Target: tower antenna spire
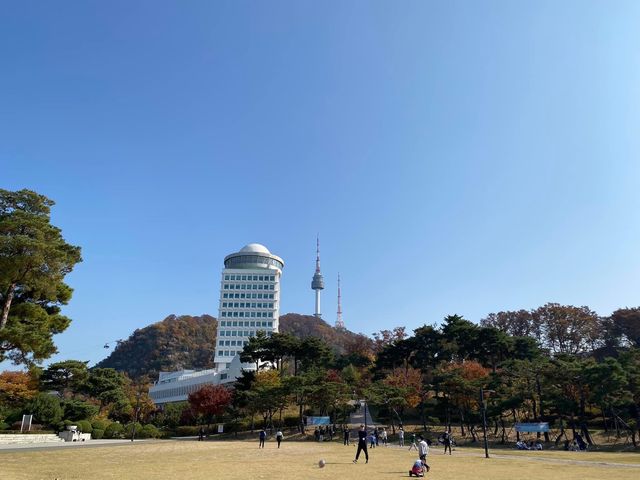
x=339, y=322
x=318, y=253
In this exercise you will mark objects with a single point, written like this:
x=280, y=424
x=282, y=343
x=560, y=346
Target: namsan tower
x=317, y=283
x=339, y=322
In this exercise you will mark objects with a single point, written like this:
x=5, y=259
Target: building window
x=226, y=277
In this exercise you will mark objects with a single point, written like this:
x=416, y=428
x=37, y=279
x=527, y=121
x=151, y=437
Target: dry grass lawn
x=232, y=460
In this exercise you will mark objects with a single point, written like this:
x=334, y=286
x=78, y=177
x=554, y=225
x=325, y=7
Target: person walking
x=446, y=439
x=413, y=442
x=263, y=437
x=423, y=451
x=362, y=444
x=401, y=437
x=345, y=431
x=279, y=437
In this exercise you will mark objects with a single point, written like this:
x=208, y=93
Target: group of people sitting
x=537, y=445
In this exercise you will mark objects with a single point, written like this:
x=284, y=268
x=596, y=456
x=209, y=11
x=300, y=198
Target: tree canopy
x=34, y=259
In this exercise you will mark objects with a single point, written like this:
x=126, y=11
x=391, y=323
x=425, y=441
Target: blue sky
x=455, y=157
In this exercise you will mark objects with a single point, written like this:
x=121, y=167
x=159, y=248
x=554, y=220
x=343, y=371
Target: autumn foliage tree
x=209, y=402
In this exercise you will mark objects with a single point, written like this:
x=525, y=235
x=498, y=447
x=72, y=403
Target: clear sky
x=455, y=157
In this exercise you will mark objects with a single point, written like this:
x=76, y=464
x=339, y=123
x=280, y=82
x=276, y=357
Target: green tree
x=626, y=323
x=79, y=410
x=66, y=377
x=34, y=259
x=108, y=387
x=46, y=409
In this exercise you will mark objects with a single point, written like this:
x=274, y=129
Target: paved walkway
x=16, y=447
x=358, y=417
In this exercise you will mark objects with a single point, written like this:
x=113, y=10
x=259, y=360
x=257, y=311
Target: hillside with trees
x=176, y=343
x=188, y=342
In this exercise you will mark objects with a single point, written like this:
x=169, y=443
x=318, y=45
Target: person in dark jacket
x=263, y=437
x=362, y=444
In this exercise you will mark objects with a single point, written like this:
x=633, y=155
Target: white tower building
x=317, y=283
x=249, y=301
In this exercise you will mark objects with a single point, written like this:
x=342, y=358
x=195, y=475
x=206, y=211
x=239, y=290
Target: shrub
x=149, y=431
x=128, y=429
x=113, y=430
x=291, y=421
x=84, y=426
x=187, y=431
x=4, y=426
x=100, y=424
x=97, y=433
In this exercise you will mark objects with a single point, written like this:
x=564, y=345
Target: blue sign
x=532, y=427
x=318, y=421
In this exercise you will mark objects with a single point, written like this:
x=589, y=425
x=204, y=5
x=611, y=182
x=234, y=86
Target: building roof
x=255, y=248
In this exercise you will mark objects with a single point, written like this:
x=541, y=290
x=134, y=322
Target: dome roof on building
x=255, y=248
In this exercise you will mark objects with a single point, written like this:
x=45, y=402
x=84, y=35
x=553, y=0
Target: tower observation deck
x=317, y=283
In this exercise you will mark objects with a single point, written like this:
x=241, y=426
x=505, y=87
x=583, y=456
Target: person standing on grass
x=345, y=431
x=423, y=451
x=279, y=437
x=263, y=437
x=401, y=437
x=446, y=439
x=413, y=442
x=362, y=444
x=384, y=437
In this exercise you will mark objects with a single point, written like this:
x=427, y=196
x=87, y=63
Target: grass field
x=232, y=460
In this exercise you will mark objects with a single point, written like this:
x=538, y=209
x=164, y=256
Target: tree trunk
x=504, y=431
x=515, y=420
x=300, y=419
x=461, y=423
x=8, y=298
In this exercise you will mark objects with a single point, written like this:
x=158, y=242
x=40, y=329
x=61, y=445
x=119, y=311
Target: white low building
x=249, y=303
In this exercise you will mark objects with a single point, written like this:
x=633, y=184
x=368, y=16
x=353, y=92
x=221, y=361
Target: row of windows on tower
x=244, y=333
x=249, y=295
x=255, y=278
x=232, y=343
x=246, y=305
x=247, y=286
x=228, y=353
x=234, y=323
x=247, y=314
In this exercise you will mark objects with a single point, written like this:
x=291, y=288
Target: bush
x=97, y=433
x=149, y=431
x=187, y=431
x=291, y=421
x=113, y=430
x=84, y=426
x=4, y=426
x=128, y=430
x=100, y=424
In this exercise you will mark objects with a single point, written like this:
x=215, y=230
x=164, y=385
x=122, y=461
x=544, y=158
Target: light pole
x=365, y=413
x=483, y=406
